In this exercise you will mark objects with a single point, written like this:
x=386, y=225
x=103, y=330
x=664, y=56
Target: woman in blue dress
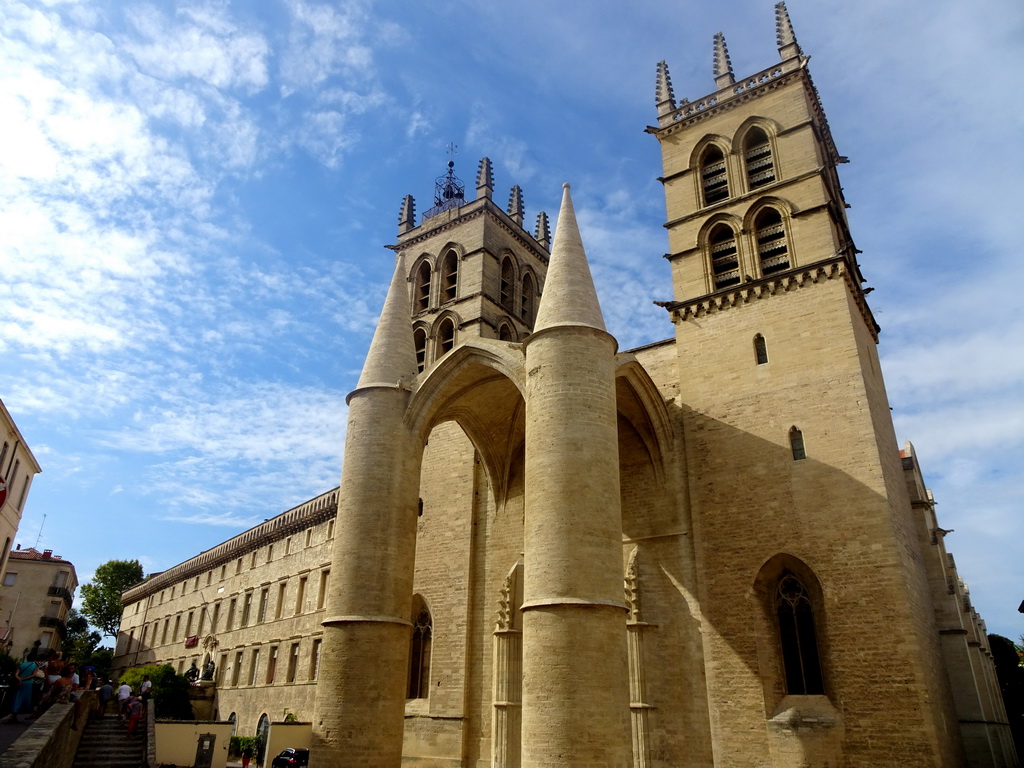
x=23, y=700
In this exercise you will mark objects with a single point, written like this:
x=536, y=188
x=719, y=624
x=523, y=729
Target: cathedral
x=706, y=552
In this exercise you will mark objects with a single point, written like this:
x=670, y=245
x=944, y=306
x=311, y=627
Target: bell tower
x=792, y=460
x=474, y=270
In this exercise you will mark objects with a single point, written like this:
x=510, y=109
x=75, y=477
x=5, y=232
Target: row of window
x=13, y=476
x=206, y=619
x=257, y=557
x=264, y=665
x=519, y=302
x=769, y=246
x=758, y=165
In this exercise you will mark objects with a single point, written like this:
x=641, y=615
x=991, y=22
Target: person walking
x=25, y=677
x=124, y=693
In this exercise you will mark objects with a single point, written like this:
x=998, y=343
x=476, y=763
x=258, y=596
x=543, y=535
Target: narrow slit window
x=757, y=154
x=419, y=656
x=725, y=263
x=450, y=276
x=423, y=287
x=772, y=247
x=507, y=290
x=420, y=339
x=796, y=443
x=446, y=336
x=714, y=177
x=798, y=638
x=527, y=303
x=760, y=350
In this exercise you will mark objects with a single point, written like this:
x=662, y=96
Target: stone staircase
x=106, y=744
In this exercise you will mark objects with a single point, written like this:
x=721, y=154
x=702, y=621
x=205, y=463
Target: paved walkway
x=9, y=732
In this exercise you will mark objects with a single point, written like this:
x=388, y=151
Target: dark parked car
x=291, y=758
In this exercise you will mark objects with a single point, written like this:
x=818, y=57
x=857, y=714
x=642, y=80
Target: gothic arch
x=714, y=174
x=779, y=647
x=480, y=386
x=445, y=333
x=421, y=278
x=770, y=238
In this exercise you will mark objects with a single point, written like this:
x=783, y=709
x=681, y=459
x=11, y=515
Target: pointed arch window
x=507, y=288
x=796, y=444
x=423, y=287
x=505, y=333
x=797, y=637
x=527, y=313
x=445, y=336
x=419, y=337
x=760, y=350
x=419, y=654
x=450, y=276
x=757, y=156
x=772, y=247
x=714, y=178
x=725, y=264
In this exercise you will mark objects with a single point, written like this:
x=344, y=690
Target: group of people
x=41, y=682
x=130, y=705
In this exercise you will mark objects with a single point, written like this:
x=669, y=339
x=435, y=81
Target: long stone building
x=707, y=551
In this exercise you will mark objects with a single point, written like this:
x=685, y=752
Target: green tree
x=80, y=641
x=101, y=597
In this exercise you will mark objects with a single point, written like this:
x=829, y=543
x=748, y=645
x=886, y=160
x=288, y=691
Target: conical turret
x=392, y=355
x=569, y=295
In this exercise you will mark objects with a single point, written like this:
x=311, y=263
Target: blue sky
x=194, y=197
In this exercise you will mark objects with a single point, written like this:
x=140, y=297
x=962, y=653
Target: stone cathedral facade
x=546, y=551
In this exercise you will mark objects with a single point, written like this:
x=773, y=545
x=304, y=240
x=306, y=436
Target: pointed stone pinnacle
x=484, y=180
x=785, y=38
x=542, y=234
x=407, y=216
x=515, y=205
x=569, y=296
x=392, y=354
x=664, y=97
x=722, y=65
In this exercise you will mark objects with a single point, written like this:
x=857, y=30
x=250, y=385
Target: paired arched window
x=419, y=653
x=796, y=444
x=445, y=336
x=422, y=283
x=527, y=313
x=757, y=157
x=772, y=246
x=506, y=290
x=725, y=265
x=760, y=350
x=798, y=639
x=419, y=338
x=449, y=276
x=713, y=176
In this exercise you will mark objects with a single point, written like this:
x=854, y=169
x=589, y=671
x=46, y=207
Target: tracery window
x=757, y=156
x=725, y=264
x=450, y=276
x=797, y=637
x=419, y=655
x=422, y=283
x=772, y=247
x=714, y=177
